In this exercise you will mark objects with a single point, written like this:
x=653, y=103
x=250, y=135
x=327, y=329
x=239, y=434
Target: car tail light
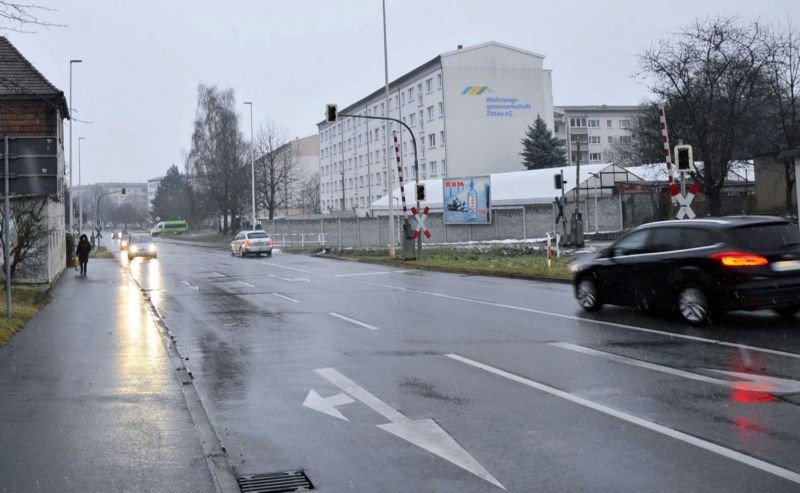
x=740, y=259
x=247, y=243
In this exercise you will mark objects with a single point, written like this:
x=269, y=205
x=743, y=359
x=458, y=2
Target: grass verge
x=26, y=302
x=499, y=262
x=221, y=238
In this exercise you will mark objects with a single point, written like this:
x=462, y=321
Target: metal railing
x=299, y=239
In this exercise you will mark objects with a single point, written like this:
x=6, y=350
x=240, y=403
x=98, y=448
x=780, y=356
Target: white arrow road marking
x=353, y=321
x=677, y=435
x=771, y=385
x=424, y=433
x=286, y=298
x=327, y=405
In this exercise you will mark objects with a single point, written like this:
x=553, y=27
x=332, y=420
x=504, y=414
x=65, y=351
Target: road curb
x=219, y=466
x=410, y=265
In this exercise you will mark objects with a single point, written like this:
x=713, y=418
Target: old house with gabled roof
x=32, y=112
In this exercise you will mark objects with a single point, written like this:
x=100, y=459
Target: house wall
x=22, y=118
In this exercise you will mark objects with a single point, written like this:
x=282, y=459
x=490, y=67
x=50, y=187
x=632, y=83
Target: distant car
x=124, y=240
x=252, y=243
x=142, y=245
x=697, y=267
x=116, y=235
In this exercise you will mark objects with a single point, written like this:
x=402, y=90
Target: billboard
x=467, y=200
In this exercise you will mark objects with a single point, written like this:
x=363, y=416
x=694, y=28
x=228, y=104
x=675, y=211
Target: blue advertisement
x=467, y=200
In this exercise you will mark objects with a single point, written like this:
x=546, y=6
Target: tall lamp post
x=388, y=154
x=80, y=185
x=252, y=168
x=70, y=212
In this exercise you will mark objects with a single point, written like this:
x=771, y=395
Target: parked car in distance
x=124, y=240
x=698, y=267
x=253, y=242
x=116, y=235
x=142, y=245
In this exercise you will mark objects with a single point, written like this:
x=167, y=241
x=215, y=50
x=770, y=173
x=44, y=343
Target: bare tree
x=712, y=77
x=218, y=154
x=310, y=199
x=276, y=168
x=783, y=75
x=17, y=16
x=644, y=145
x=29, y=230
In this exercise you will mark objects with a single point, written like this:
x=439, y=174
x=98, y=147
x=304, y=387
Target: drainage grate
x=277, y=482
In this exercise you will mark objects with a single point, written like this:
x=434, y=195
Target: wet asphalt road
x=426, y=381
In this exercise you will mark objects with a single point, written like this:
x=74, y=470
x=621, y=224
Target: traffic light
x=557, y=181
x=330, y=113
x=420, y=192
x=123, y=191
x=684, y=158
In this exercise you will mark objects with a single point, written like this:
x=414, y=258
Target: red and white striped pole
x=400, y=176
x=673, y=187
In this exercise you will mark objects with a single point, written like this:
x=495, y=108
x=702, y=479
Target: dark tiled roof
x=20, y=79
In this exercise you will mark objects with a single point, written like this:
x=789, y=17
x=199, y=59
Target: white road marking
x=327, y=405
x=286, y=297
x=677, y=435
x=423, y=433
x=246, y=284
x=582, y=319
x=373, y=273
x=289, y=279
x=353, y=321
x=271, y=264
x=763, y=383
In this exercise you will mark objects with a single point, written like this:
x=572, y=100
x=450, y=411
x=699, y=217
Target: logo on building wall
x=475, y=90
x=498, y=106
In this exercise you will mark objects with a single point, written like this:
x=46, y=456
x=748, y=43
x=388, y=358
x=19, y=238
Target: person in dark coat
x=82, y=252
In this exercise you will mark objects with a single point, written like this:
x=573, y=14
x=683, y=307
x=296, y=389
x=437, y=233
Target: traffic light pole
x=416, y=161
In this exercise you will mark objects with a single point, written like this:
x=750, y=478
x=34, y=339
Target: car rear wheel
x=692, y=305
x=241, y=253
x=788, y=311
x=587, y=295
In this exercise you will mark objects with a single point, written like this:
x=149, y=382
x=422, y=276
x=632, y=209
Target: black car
x=697, y=267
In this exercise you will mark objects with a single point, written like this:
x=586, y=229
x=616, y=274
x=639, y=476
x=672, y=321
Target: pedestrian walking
x=82, y=252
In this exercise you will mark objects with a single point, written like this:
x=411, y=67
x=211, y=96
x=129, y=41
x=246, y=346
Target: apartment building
x=468, y=110
x=597, y=127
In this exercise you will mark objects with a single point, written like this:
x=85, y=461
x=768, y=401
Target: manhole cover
x=276, y=482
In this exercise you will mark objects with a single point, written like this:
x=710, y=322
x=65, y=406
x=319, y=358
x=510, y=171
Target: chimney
x=460, y=46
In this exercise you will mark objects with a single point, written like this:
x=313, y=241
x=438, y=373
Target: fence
x=508, y=223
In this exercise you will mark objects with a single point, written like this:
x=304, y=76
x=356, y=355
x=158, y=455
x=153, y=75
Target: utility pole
x=388, y=154
x=80, y=185
x=6, y=256
x=70, y=212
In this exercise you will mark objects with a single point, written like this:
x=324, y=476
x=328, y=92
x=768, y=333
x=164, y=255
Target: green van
x=169, y=228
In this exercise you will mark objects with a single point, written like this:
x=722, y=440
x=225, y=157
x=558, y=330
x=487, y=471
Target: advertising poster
x=466, y=200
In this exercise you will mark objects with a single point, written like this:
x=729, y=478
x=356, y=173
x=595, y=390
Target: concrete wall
x=511, y=223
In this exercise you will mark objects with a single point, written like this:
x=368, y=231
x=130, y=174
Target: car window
x=665, y=240
x=634, y=243
x=141, y=239
x=697, y=238
x=257, y=235
x=761, y=237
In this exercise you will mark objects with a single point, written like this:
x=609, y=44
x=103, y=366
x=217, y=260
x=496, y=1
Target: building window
x=610, y=139
x=433, y=167
x=403, y=98
x=419, y=91
x=594, y=123
x=439, y=80
x=429, y=85
x=595, y=156
x=432, y=140
x=441, y=110
x=624, y=139
x=577, y=122
x=608, y=123
x=441, y=137
x=412, y=118
x=430, y=113
x=411, y=94
x=594, y=139
x=624, y=124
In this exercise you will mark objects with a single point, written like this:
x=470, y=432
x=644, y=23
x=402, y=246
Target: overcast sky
x=143, y=60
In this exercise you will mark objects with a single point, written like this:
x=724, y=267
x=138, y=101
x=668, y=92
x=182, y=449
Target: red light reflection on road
x=749, y=393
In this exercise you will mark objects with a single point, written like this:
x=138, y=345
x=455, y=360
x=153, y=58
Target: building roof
x=513, y=188
x=601, y=108
x=739, y=172
x=19, y=79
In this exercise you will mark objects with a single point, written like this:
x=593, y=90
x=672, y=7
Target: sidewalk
x=89, y=400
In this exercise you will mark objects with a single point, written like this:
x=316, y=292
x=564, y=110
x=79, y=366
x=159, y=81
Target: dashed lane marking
x=353, y=321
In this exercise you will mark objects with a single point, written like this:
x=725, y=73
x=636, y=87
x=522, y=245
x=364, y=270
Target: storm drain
x=277, y=482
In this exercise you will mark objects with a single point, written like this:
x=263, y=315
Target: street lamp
x=80, y=185
x=252, y=167
x=70, y=214
x=388, y=156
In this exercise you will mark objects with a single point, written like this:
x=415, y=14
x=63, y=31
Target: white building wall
x=484, y=129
